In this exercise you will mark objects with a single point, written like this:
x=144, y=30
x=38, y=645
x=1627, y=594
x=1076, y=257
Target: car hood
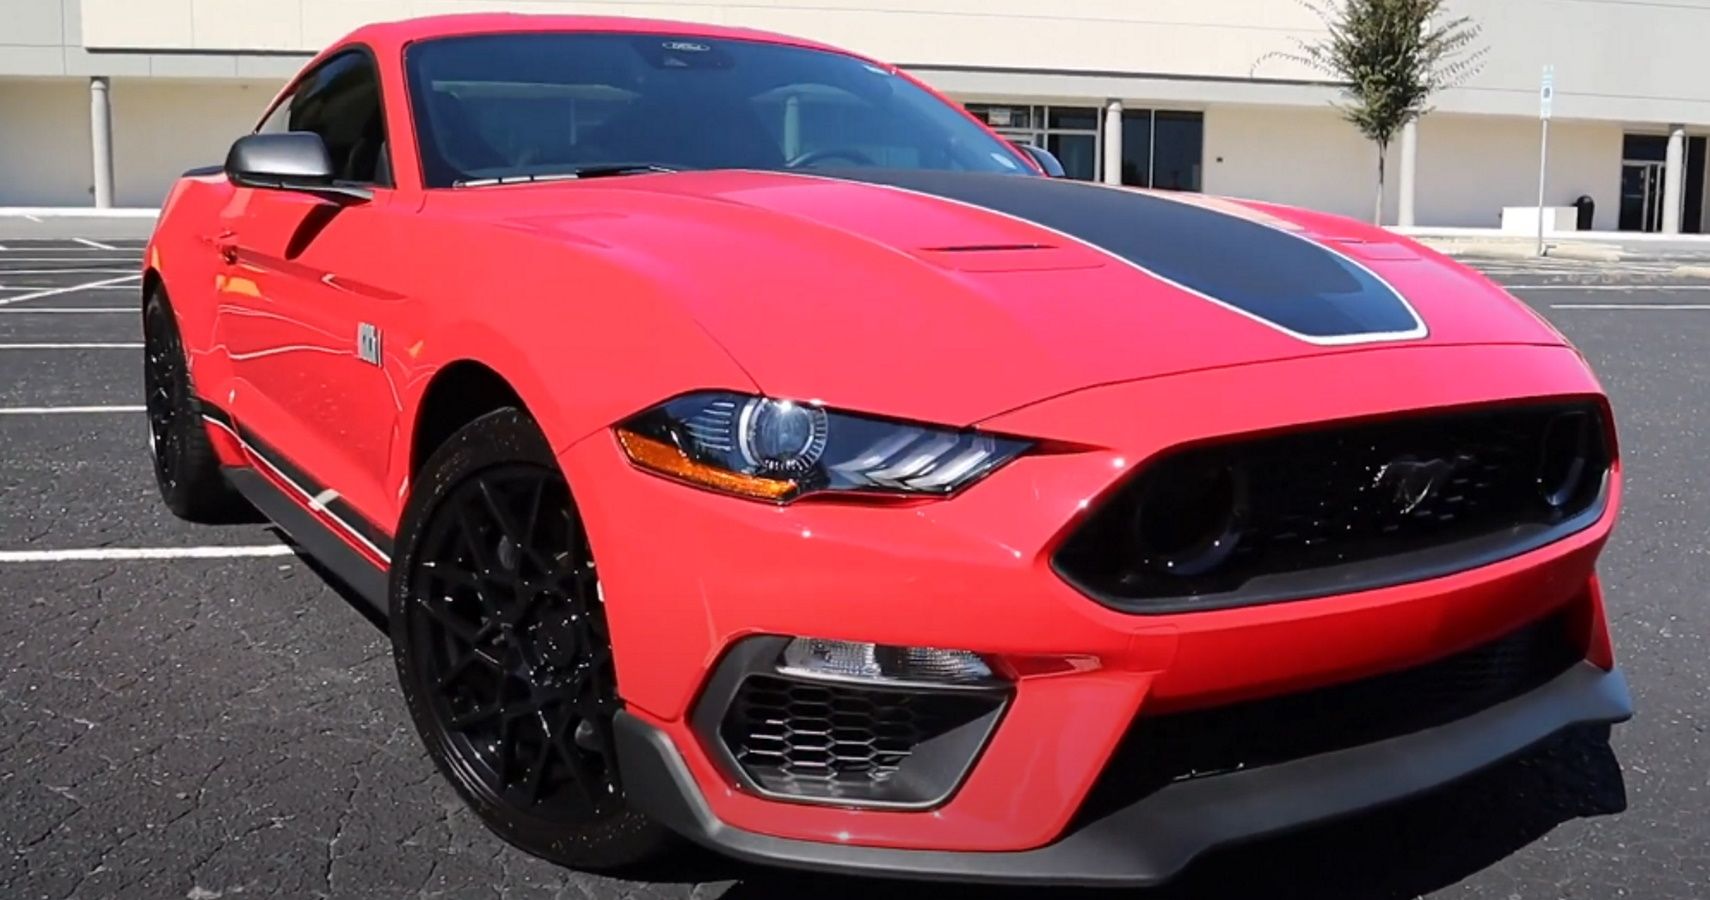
x=955, y=297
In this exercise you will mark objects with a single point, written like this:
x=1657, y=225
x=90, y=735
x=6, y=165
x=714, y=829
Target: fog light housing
x=817, y=658
x=842, y=723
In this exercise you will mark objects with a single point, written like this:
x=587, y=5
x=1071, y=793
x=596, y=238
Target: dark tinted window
x=490, y=106
x=1178, y=142
x=340, y=101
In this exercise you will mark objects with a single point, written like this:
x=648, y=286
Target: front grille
x=1161, y=750
x=1342, y=508
x=829, y=741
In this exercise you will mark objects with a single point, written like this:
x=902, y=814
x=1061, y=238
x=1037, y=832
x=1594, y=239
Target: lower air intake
x=835, y=742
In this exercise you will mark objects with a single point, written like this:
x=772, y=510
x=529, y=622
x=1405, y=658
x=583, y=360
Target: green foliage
x=1391, y=56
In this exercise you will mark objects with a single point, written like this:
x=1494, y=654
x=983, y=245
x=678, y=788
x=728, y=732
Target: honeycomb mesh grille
x=837, y=741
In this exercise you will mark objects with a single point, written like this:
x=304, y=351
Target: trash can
x=1587, y=212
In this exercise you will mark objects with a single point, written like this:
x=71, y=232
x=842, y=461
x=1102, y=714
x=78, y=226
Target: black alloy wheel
x=499, y=632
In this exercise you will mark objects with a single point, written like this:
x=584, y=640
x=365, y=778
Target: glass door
x=1641, y=196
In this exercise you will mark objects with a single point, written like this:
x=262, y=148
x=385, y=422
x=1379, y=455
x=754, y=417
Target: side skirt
x=351, y=567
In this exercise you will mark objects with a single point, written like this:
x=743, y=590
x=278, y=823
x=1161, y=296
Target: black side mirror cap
x=1047, y=160
x=289, y=161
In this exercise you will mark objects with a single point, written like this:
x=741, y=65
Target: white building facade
x=104, y=102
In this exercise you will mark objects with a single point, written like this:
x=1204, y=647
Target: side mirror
x=1045, y=158
x=291, y=161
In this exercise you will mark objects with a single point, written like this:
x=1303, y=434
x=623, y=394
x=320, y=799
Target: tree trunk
x=1382, y=156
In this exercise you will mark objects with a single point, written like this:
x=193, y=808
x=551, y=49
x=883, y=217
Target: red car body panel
x=597, y=300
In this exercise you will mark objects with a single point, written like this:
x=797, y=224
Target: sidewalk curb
x=1586, y=252
x=1521, y=249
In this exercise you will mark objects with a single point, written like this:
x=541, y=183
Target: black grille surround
x=1161, y=750
x=1339, y=508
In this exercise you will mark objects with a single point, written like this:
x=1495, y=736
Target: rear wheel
x=499, y=635
x=185, y=466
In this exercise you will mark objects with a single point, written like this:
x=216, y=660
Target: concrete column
x=1409, y=183
x=1113, y=142
x=101, y=139
x=1674, y=179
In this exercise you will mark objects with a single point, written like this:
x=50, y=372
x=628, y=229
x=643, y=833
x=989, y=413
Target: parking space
x=191, y=712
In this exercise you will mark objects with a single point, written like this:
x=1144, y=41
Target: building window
x=1071, y=133
x=1160, y=148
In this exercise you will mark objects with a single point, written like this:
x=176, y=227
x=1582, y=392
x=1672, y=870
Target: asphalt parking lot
x=189, y=712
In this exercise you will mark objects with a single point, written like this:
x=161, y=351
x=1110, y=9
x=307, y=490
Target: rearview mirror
x=289, y=161
x=1045, y=158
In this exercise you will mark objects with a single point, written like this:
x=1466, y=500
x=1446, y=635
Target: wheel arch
x=459, y=393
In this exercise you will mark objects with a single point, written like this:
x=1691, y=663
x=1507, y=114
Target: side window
x=340, y=101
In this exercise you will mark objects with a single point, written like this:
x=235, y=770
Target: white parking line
x=1607, y=287
x=54, y=292
x=102, y=554
x=66, y=410
x=91, y=260
x=96, y=244
x=106, y=271
x=76, y=345
x=1676, y=307
x=66, y=310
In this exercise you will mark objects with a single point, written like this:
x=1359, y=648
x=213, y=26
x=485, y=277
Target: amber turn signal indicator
x=665, y=459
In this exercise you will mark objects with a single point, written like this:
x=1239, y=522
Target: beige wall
x=160, y=128
x=1470, y=167
x=1616, y=60
x=1302, y=157
x=44, y=143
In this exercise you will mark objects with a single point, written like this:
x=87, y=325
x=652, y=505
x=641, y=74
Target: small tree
x=1390, y=56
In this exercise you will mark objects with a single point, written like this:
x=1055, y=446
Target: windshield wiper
x=599, y=170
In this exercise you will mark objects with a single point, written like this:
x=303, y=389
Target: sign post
x=1546, y=108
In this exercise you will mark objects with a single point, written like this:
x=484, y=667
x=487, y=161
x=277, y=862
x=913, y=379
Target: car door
x=305, y=305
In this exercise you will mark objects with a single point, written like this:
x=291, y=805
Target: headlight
x=779, y=450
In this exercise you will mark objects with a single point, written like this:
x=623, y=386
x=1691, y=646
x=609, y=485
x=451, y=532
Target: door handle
x=226, y=245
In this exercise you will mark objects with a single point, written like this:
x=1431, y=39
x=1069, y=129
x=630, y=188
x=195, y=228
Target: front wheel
x=499, y=635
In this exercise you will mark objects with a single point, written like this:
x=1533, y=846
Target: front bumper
x=689, y=575
x=1150, y=841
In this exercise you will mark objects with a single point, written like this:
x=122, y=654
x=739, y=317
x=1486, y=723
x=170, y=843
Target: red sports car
x=744, y=442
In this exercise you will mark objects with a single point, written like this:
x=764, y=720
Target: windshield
x=505, y=106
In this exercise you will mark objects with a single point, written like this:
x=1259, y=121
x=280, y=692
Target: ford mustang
x=743, y=443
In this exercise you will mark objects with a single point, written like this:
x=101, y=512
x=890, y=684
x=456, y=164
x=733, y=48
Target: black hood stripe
x=1283, y=279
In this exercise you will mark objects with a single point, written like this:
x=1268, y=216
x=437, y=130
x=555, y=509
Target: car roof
x=387, y=36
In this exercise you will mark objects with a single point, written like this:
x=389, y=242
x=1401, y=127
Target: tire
x=185, y=466
x=499, y=637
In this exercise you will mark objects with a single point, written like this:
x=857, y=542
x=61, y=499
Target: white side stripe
x=96, y=244
x=313, y=501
